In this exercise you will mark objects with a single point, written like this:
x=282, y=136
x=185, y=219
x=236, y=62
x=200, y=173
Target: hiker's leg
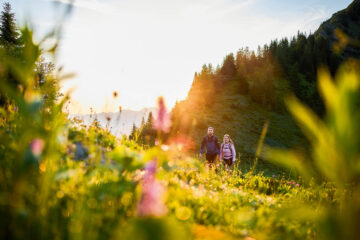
x=228, y=167
x=211, y=164
x=231, y=166
x=209, y=161
x=227, y=164
x=216, y=163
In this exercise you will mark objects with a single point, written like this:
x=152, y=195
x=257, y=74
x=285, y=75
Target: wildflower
x=249, y=238
x=37, y=146
x=183, y=213
x=162, y=122
x=151, y=202
x=165, y=147
x=180, y=147
x=297, y=185
x=151, y=168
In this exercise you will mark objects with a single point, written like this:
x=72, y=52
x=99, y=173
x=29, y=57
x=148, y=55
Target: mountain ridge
x=118, y=123
x=348, y=22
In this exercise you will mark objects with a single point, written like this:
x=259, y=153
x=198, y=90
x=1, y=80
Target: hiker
x=211, y=142
x=227, y=152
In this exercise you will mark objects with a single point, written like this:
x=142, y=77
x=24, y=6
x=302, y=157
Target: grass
x=236, y=204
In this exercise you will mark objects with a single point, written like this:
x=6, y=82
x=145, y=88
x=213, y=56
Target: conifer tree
x=10, y=41
x=150, y=120
x=133, y=133
x=229, y=68
x=9, y=36
x=142, y=122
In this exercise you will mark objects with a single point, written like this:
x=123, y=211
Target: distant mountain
x=119, y=123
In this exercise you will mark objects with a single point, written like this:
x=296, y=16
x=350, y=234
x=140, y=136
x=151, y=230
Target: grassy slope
x=243, y=119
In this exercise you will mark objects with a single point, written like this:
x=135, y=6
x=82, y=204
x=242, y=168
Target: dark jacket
x=212, y=145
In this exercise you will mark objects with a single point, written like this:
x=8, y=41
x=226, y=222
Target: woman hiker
x=227, y=152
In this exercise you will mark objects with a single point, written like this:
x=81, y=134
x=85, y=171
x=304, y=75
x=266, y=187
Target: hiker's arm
x=202, y=146
x=221, y=153
x=234, y=152
x=217, y=146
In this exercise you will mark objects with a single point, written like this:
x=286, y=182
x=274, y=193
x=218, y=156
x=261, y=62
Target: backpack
x=231, y=149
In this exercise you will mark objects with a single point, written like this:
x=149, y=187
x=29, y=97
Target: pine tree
x=142, y=122
x=149, y=121
x=9, y=36
x=148, y=134
x=133, y=133
x=10, y=41
x=229, y=68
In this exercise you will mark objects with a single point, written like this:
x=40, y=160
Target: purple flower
x=162, y=121
x=152, y=197
x=151, y=168
x=37, y=146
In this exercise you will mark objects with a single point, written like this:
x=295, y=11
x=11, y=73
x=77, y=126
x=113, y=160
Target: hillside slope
x=247, y=90
x=242, y=118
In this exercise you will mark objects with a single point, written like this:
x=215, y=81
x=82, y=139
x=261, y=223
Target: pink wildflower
x=151, y=168
x=37, y=146
x=297, y=185
x=151, y=202
x=162, y=121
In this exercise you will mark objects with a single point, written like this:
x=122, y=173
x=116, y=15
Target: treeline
x=247, y=73
x=286, y=64
x=145, y=134
x=299, y=59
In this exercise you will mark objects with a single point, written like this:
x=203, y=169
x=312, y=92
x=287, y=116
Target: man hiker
x=211, y=142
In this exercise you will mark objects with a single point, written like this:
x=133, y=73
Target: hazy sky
x=146, y=48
